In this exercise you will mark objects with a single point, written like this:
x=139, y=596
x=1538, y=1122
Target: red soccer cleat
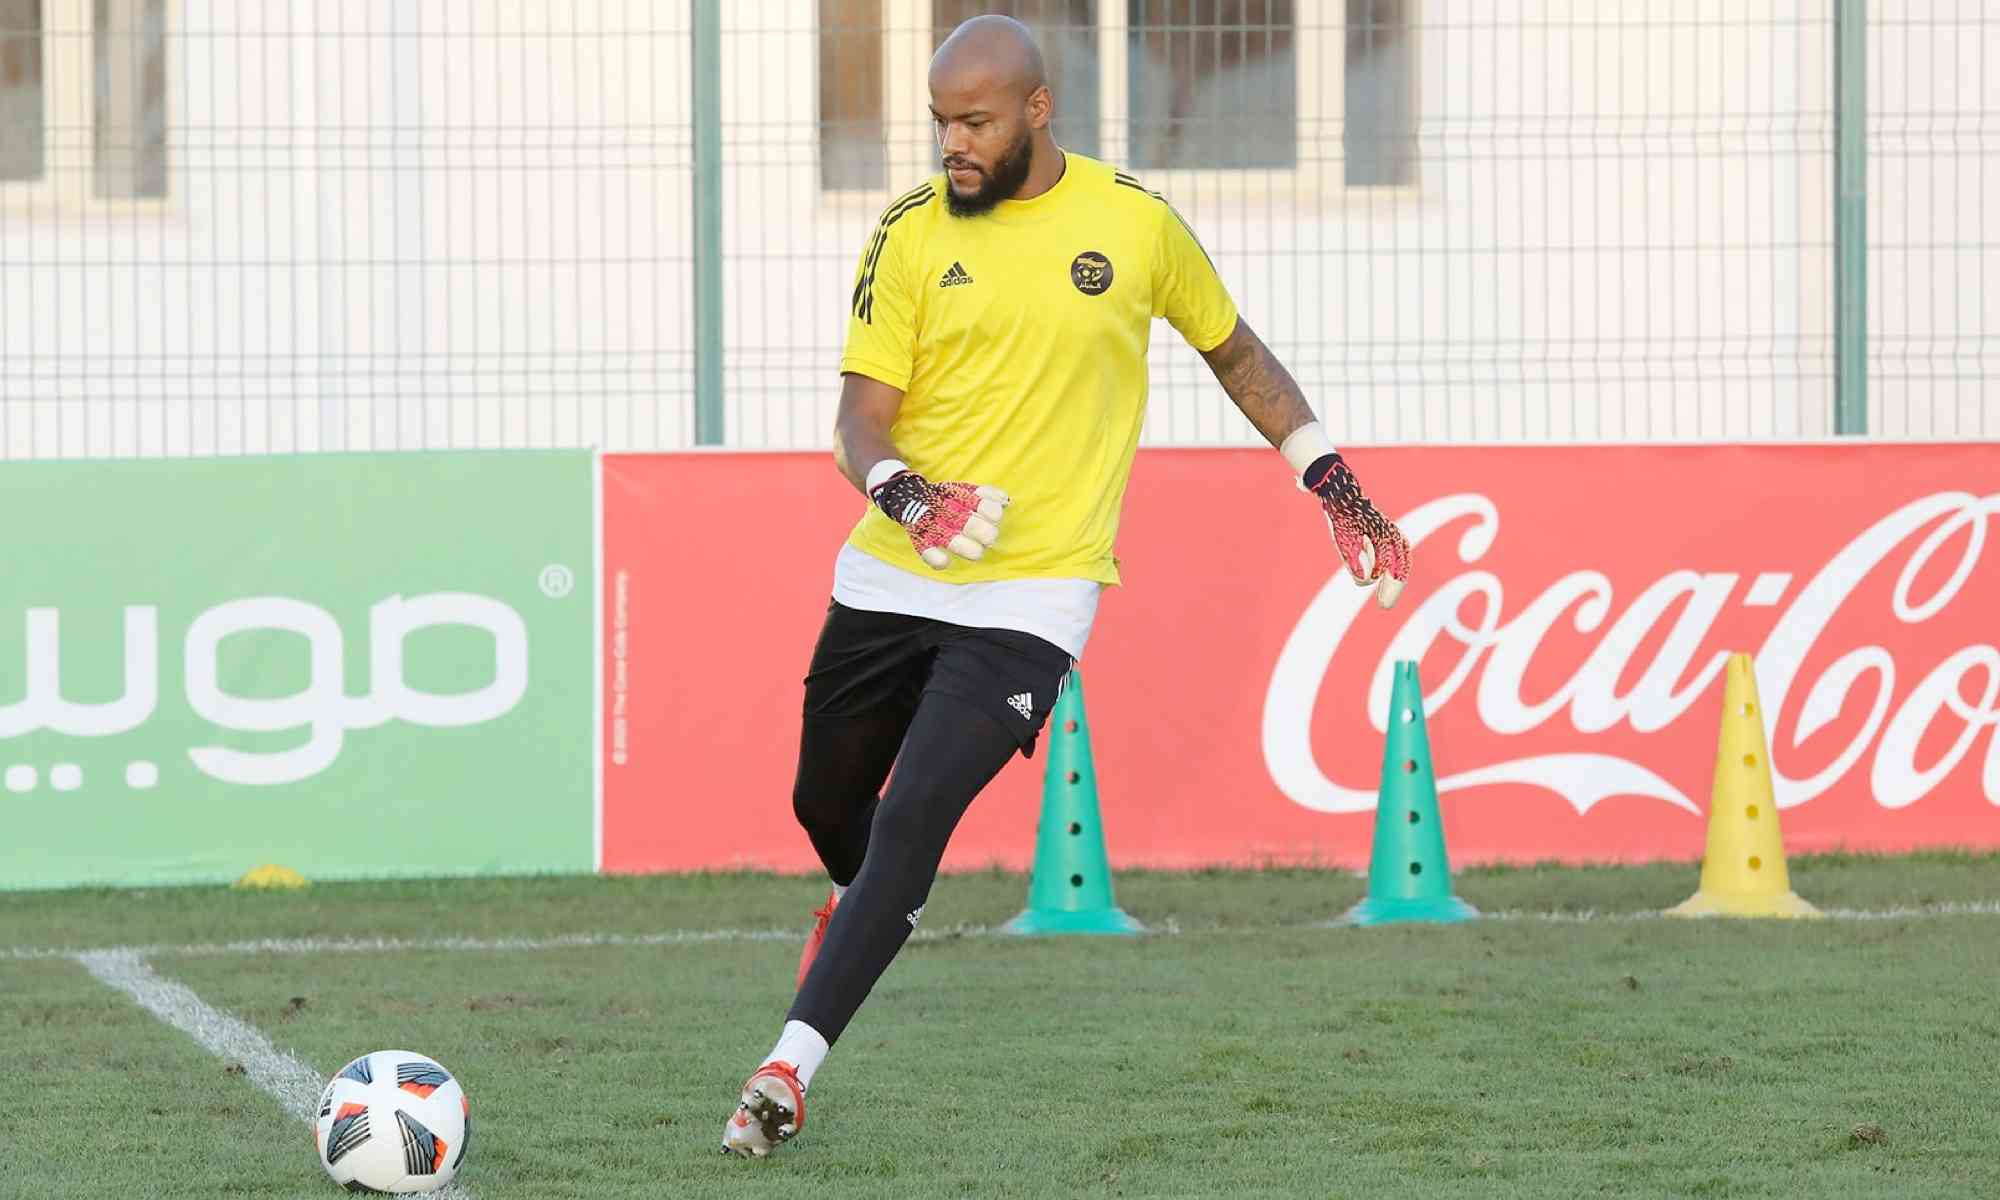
x=821, y=917
x=770, y=1112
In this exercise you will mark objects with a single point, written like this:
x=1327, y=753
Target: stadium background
x=1676, y=288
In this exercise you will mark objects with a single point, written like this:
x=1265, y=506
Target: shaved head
x=991, y=107
x=993, y=50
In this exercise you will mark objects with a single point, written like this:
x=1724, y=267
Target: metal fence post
x=707, y=249
x=1850, y=216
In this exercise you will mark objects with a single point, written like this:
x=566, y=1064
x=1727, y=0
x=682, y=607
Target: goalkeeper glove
x=942, y=519
x=1369, y=542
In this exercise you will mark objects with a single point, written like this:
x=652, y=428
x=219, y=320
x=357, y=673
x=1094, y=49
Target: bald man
x=993, y=386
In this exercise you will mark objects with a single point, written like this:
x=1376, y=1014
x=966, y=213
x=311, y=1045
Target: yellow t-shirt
x=1019, y=340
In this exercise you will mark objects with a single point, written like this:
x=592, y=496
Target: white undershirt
x=1058, y=611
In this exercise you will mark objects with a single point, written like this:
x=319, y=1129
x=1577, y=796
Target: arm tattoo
x=1259, y=384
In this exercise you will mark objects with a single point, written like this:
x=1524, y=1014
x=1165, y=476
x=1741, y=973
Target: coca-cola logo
x=1953, y=703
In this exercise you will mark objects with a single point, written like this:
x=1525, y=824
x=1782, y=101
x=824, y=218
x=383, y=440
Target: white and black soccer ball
x=392, y=1121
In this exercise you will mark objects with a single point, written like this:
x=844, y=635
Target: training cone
x=1409, y=878
x=1070, y=891
x=271, y=875
x=1743, y=873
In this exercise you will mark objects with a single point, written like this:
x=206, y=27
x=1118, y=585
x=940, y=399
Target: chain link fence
x=383, y=226
x=297, y=226
x=1933, y=135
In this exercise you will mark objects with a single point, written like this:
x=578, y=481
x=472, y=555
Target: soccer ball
x=392, y=1121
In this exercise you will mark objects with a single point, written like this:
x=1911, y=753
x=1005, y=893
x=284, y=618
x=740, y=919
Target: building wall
x=467, y=223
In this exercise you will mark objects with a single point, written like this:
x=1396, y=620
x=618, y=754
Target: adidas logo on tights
x=1023, y=704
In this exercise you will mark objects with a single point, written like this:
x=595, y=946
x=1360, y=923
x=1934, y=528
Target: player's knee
x=822, y=809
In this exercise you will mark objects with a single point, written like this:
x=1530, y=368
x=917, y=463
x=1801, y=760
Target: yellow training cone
x=270, y=875
x=1743, y=874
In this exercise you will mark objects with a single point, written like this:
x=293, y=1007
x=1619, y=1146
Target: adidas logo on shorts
x=1023, y=704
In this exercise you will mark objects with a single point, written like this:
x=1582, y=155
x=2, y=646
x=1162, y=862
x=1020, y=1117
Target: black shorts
x=871, y=662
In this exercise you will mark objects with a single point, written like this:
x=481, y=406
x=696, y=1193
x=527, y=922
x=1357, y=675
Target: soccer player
x=994, y=381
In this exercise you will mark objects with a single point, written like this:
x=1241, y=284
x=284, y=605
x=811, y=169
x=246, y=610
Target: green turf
x=105, y=1101
x=1244, y=1055
x=89, y=917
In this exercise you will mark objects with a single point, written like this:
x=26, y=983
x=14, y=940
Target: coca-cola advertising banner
x=1570, y=610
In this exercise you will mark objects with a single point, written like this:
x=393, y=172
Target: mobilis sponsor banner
x=353, y=665
x=1571, y=612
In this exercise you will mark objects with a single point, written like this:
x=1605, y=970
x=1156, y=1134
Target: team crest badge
x=1091, y=273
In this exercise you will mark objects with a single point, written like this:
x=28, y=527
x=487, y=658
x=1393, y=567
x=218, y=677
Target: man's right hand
x=943, y=519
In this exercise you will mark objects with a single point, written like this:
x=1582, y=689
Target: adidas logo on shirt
x=1024, y=704
x=954, y=277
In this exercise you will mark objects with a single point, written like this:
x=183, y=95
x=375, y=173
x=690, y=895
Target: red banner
x=1570, y=612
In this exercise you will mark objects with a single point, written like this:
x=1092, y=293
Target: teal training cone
x=1409, y=878
x=1071, y=888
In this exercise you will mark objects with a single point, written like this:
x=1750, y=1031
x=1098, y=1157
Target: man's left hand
x=1373, y=548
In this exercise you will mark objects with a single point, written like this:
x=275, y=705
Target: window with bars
x=1205, y=85
x=1213, y=84
x=853, y=144
x=23, y=107
x=1067, y=32
x=112, y=83
x=1379, y=134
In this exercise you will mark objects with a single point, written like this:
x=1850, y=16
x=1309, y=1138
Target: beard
x=1006, y=178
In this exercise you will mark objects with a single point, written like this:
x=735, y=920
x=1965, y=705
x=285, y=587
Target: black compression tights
x=842, y=764
x=952, y=752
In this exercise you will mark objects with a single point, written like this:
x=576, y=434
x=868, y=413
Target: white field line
x=393, y=945
x=1950, y=908
x=688, y=937
x=293, y=1084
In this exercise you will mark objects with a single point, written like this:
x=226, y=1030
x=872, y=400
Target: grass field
x=1566, y=1045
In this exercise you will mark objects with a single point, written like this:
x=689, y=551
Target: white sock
x=802, y=1046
